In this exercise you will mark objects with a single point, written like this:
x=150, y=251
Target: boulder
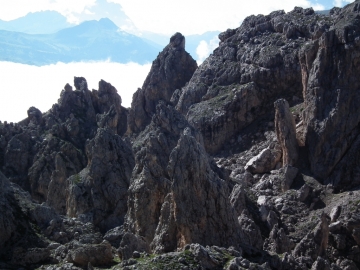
x=131, y=243
x=114, y=236
x=97, y=255
x=265, y=161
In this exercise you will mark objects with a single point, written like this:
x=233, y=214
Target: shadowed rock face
x=42, y=151
x=99, y=192
x=27, y=228
x=253, y=66
x=174, y=191
x=332, y=96
x=171, y=70
x=7, y=218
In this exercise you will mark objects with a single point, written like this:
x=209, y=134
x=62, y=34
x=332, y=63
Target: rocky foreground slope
x=249, y=161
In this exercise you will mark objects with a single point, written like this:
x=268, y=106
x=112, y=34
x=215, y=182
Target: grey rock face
x=68, y=161
x=331, y=116
x=99, y=192
x=7, y=217
x=192, y=182
x=43, y=150
x=114, y=236
x=179, y=190
x=278, y=241
x=320, y=263
x=253, y=65
x=131, y=243
x=237, y=199
x=303, y=193
x=150, y=181
x=315, y=243
x=202, y=255
x=289, y=176
x=18, y=157
x=34, y=116
x=239, y=209
x=285, y=132
x=171, y=70
x=21, y=245
x=107, y=102
x=251, y=234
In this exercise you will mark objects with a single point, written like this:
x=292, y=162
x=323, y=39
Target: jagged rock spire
x=171, y=70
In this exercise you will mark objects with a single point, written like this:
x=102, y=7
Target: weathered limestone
x=171, y=70
x=286, y=132
x=314, y=243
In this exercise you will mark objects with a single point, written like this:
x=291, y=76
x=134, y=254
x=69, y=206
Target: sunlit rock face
x=253, y=66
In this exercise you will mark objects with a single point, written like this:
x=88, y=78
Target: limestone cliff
x=250, y=161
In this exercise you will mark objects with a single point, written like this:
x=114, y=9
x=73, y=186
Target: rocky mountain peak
x=171, y=70
x=249, y=161
x=80, y=83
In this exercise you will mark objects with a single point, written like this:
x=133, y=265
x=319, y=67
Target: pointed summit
x=171, y=70
x=177, y=41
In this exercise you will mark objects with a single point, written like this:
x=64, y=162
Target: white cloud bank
x=196, y=17
x=204, y=49
x=23, y=86
x=340, y=3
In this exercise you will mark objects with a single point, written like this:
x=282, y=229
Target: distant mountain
x=91, y=40
x=67, y=38
x=43, y=22
x=113, y=11
x=324, y=12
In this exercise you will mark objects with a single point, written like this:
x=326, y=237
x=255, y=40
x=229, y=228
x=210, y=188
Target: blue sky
x=165, y=16
x=330, y=3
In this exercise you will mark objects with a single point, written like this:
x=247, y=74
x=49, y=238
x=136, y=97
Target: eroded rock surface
x=253, y=65
x=331, y=97
x=171, y=70
x=99, y=192
x=173, y=195
x=157, y=199
x=286, y=133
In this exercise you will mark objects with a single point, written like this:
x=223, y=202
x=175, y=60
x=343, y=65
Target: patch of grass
x=117, y=259
x=76, y=179
x=228, y=259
